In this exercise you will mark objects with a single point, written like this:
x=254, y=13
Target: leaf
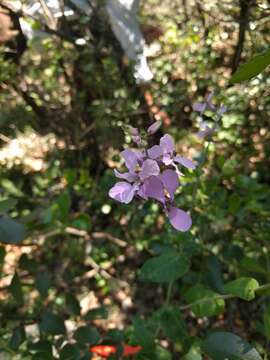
x=18, y=337
x=87, y=335
x=73, y=304
x=252, y=68
x=52, y=324
x=244, y=288
x=6, y=205
x=164, y=268
x=11, y=188
x=227, y=346
x=43, y=282
x=70, y=352
x=194, y=352
x=143, y=335
x=42, y=346
x=210, y=305
x=266, y=322
x=173, y=324
x=11, y=231
x=15, y=288
x=214, y=275
x=97, y=313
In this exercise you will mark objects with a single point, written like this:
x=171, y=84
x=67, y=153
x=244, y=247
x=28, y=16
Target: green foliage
x=243, y=288
x=52, y=324
x=209, y=303
x=86, y=335
x=252, y=68
x=165, y=268
x=225, y=345
x=11, y=231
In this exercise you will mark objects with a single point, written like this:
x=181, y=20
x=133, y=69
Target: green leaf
x=266, y=322
x=97, y=313
x=11, y=231
x=43, y=282
x=252, y=68
x=194, y=352
x=11, y=188
x=18, y=337
x=143, y=335
x=42, y=346
x=6, y=205
x=162, y=354
x=173, y=324
x=52, y=324
x=70, y=352
x=73, y=304
x=243, y=288
x=15, y=288
x=165, y=268
x=211, y=305
x=87, y=335
x=227, y=346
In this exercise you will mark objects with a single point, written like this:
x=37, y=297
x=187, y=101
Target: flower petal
x=123, y=192
x=185, y=162
x=130, y=177
x=154, y=127
x=167, y=159
x=155, y=152
x=199, y=107
x=179, y=219
x=149, y=168
x=130, y=158
x=167, y=144
x=153, y=188
x=170, y=181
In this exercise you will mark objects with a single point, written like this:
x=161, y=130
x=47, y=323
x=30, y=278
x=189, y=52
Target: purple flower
x=154, y=127
x=205, y=129
x=153, y=174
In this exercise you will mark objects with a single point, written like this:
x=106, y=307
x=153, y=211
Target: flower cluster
x=153, y=173
x=205, y=129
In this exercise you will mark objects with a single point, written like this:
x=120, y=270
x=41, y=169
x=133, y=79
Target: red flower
x=107, y=350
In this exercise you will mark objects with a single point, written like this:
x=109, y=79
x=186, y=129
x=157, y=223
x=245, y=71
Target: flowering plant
x=153, y=173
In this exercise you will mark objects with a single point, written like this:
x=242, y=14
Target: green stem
x=218, y=297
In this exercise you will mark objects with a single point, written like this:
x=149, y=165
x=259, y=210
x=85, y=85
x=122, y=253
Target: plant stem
x=218, y=297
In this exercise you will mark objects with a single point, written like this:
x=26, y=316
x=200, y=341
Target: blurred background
x=72, y=75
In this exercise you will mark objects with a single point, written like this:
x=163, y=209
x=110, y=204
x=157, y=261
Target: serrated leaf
x=252, y=68
x=11, y=231
x=43, y=282
x=15, y=288
x=87, y=335
x=173, y=324
x=210, y=305
x=52, y=324
x=228, y=346
x=167, y=267
x=243, y=288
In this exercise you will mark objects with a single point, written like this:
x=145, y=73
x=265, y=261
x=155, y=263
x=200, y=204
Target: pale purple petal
x=155, y=152
x=170, y=181
x=126, y=176
x=167, y=159
x=199, y=107
x=185, y=162
x=149, y=168
x=141, y=192
x=153, y=189
x=130, y=158
x=137, y=139
x=139, y=155
x=179, y=219
x=123, y=192
x=154, y=127
x=206, y=132
x=167, y=144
